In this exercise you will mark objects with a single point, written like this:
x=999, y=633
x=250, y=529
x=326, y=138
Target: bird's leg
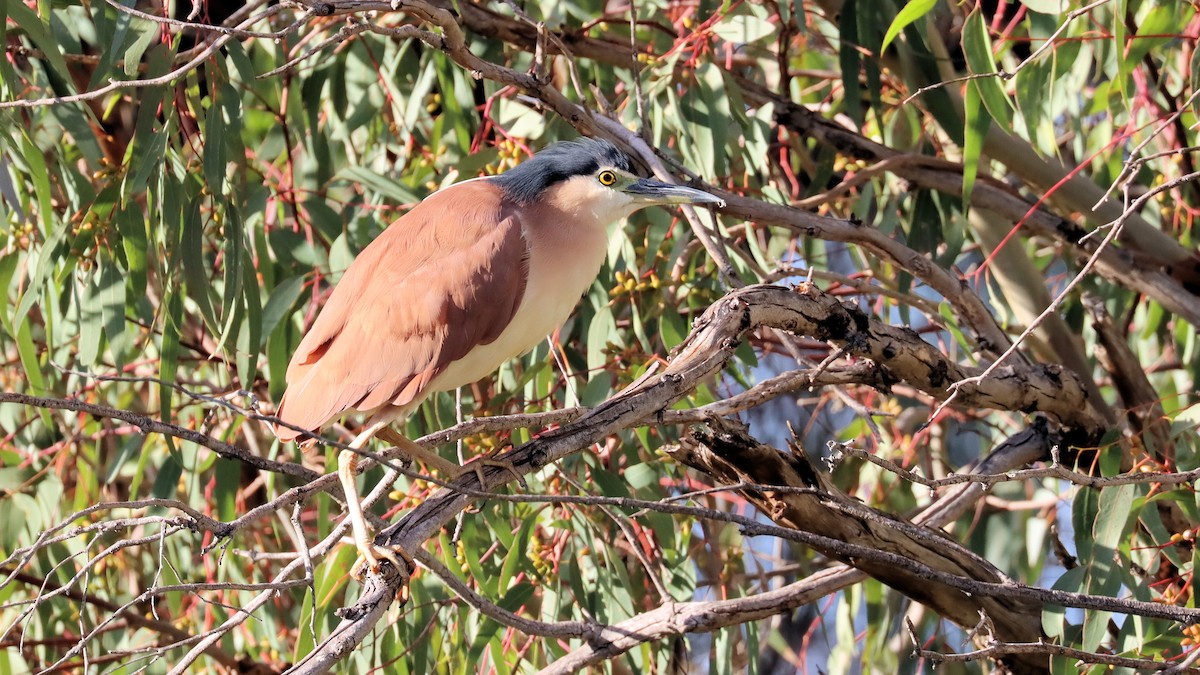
x=490, y=460
x=451, y=470
x=419, y=453
x=369, y=551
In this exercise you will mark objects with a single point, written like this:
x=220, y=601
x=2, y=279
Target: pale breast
x=564, y=261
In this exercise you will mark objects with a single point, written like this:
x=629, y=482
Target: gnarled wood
x=726, y=452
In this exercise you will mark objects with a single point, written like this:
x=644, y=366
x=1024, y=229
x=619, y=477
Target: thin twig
x=1114, y=230
x=169, y=78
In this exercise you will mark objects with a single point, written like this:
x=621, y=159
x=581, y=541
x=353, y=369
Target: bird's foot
x=370, y=554
x=477, y=466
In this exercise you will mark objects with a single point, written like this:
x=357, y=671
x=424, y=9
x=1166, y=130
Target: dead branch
x=1021, y=449
x=730, y=455
x=681, y=618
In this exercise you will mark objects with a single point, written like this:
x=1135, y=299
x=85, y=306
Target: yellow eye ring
x=606, y=177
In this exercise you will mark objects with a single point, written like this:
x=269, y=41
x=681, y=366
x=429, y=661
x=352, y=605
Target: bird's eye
x=606, y=177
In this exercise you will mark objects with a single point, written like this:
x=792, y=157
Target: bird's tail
x=286, y=430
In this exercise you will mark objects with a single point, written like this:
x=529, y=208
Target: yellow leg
x=369, y=551
x=449, y=469
x=418, y=453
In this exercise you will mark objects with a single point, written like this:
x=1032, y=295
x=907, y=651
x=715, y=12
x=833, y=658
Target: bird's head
x=594, y=176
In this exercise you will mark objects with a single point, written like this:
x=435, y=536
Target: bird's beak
x=649, y=191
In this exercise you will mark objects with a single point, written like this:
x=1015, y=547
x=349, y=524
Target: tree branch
x=704, y=353
x=1017, y=451
x=150, y=425
x=680, y=618
x=921, y=563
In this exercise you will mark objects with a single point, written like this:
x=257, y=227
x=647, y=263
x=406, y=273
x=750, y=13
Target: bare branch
x=1114, y=230
x=999, y=650
x=179, y=72
x=1055, y=470
x=150, y=425
x=207, y=27
x=559, y=629
x=679, y=618
x=944, y=176
x=125, y=613
x=1017, y=451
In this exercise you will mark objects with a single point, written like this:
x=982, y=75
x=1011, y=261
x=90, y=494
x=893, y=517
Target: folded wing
x=421, y=296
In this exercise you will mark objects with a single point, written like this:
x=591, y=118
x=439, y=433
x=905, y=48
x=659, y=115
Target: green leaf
x=279, y=304
x=977, y=122
x=279, y=352
x=231, y=287
x=671, y=329
x=137, y=48
x=912, y=10
x=129, y=448
x=192, y=253
x=1053, y=616
x=1112, y=515
x=215, y=157
x=1084, y=510
x=452, y=88
x=1095, y=628
x=241, y=62
x=57, y=233
x=516, y=554
x=1125, y=64
x=340, y=258
x=134, y=245
x=28, y=355
x=38, y=33
x=850, y=60
x=1033, y=84
x=711, y=87
x=77, y=122
x=146, y=154
x=1194, y=79
x=1165, y=22
x=597, y=389
x=8, y=269
x=166, y=483
x=871, y=19
x=91, y=323
x=377, y=184
x=250, y=337
x=114, y=41
x=415, y=107
x=641, y=476
x=1048, y=6
x=227, y=483
x=172, y=321
x=744, y=28
x=601, y=331
x=977, y=46
x=111, y=294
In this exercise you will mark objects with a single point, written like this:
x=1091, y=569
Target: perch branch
x=704, y=353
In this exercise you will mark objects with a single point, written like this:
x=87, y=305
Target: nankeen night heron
x=475, y=274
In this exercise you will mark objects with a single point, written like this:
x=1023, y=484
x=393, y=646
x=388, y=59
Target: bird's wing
x=444, y=278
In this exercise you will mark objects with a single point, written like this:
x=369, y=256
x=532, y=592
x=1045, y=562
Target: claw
x=370, y=555
x=446, y=467
x=478, y=465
